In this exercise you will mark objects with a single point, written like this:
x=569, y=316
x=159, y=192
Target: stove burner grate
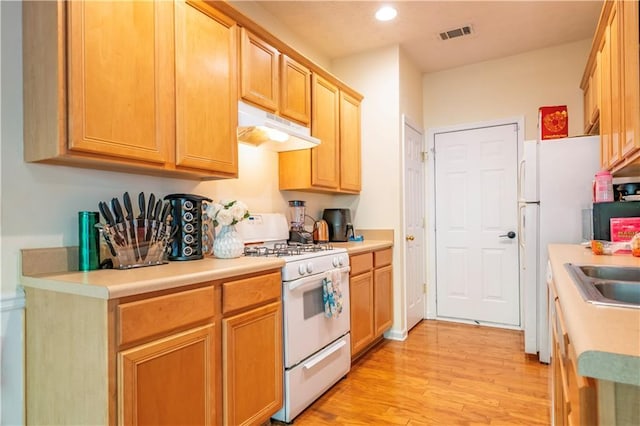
x=286, y=249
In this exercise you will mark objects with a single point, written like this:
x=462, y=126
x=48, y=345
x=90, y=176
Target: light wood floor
x=442, y=374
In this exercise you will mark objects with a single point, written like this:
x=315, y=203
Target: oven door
x=306, y=328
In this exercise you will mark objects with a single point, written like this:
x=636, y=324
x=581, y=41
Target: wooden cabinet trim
x=382, y=257
x=150, y=317
x=252, y=291
x=361, y=263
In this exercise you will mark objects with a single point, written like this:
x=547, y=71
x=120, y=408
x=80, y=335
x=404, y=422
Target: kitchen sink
x=607, y=285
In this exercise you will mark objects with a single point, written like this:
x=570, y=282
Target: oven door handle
x=314, y=279
x=324, y=354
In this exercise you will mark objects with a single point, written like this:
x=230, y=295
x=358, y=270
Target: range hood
x=261, y=128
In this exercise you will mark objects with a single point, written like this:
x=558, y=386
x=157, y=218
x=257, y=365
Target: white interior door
x=414, y=218
x=476, y=216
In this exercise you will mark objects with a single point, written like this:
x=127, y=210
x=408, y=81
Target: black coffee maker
x=191, y=228
x=339, y=221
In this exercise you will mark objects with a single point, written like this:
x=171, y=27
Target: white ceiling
x=501, y=28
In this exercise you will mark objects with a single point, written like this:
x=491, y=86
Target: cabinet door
x=295, y=90
x=350, y=158
x=121, y=79
x=631, y=77
x=252, y=365
x=615, y=74
x=361, y=304
x=169, y=381
x=383, y=298
x=206, y=89
x=605, y=107
x=325, y=126
x=259, y=71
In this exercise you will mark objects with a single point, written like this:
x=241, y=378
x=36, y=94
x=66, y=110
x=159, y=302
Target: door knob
x=409, y=238
x=510, y=235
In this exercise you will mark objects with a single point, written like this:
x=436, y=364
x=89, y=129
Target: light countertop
x=357, y=247
x=115, y=283
x=606, y=339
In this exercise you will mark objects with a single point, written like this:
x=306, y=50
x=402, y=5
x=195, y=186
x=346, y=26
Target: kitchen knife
x=117, y=210
x=165, y=211
x=106, y=213
x=152, y=205
x=127, y=205
x=132, y=226
x=141, y=205
x=156, y=212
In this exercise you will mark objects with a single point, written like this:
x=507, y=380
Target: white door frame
x=431, y=198
x=408, y=121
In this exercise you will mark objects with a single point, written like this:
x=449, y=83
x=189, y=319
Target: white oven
x=316, y=347
x=306, y=328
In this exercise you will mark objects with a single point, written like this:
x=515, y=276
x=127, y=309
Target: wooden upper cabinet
x=118, y=75
x=615, y=53
x=631, y=77
x=325, y=126
x=295, y=90
x=138, y=87
x=350, y=173
x=334, y=166
x=206, y=89
x=259, y=71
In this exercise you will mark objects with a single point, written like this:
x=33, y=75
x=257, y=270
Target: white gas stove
x=317, y=345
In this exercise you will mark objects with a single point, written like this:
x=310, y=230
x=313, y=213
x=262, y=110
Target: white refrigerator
x=555, y=186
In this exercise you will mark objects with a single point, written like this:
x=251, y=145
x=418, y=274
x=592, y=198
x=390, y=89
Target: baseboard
x=399, y=335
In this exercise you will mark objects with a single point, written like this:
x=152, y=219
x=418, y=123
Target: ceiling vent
x=456, y=32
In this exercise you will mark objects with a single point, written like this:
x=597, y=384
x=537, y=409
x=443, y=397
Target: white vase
x=228, y=244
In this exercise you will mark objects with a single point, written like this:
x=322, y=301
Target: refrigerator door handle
x=521, y=177
x=521, y=227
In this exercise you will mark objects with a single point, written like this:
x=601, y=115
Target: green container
x=89, y=241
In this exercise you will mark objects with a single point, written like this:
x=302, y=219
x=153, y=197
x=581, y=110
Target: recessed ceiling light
x=386, y=13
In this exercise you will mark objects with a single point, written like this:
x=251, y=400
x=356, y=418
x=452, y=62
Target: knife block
x=187, y=211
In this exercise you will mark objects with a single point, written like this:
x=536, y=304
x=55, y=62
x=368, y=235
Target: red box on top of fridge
x=624, y=228
x=553, y=122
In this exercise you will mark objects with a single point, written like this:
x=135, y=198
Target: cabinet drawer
x=145, y=318
x=250, y=291
x=382, y=257
x=361, y=263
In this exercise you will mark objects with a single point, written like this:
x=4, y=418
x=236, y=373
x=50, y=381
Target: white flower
x=227, y=212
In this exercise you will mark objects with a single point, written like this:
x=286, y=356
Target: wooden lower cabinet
x=252, y=361
x=156, y=358
x=252, y=365
x=169, y=381
x=371, y=298
x=574, y=397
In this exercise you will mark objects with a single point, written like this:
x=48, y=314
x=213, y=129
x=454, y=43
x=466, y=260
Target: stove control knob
x=336, y=262
x=310, y=268
x=302, y=269
x=341, y=261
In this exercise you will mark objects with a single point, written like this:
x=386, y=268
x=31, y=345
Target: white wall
x=375, y=74
x=507, y=87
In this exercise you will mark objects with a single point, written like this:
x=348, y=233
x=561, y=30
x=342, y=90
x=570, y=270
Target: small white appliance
x=317, y=348
x=555, y=186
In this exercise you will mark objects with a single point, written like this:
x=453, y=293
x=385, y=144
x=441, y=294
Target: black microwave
x=603, y=212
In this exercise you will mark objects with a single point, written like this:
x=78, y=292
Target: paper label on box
x=624, y=228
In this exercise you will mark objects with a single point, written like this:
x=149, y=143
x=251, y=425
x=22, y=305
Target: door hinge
x=424, y=288
x=425, y=156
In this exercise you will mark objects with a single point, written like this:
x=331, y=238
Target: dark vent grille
x=456, y=32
